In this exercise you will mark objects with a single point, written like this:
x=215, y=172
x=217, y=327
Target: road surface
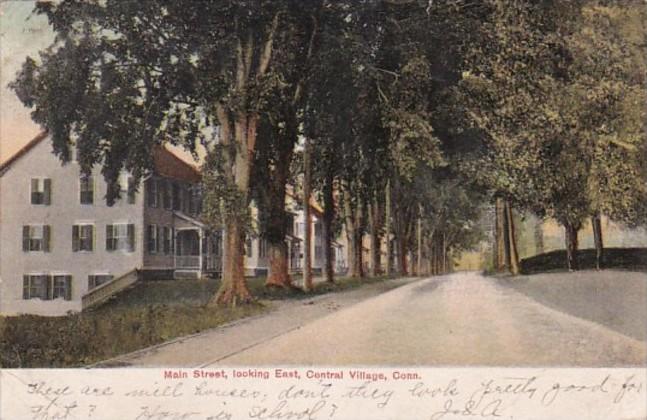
x=462, y=319
x=456, y=320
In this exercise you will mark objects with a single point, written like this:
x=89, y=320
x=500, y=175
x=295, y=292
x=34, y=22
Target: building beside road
x=62, y=248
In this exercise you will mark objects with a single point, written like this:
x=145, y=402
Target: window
x=151, y=187
x=127, y=187
x=120, y=237
x=35, y=286
x=262, y=248
x=186, y=199
x=290, y=224
x=36, y=238
x=46, y=287
x=95, y=280
x=131, y=190
x=83, y=237
x=86, y=188
x=167, y=198
x=167, y=240
x=153, y=244
x=196, y=200
x=41, y=191
x=177, y=194
x=248, y=247
x=61, y=287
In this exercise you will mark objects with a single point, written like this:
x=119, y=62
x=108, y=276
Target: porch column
x=175, y=248
x=289, y=242
x=200, y=239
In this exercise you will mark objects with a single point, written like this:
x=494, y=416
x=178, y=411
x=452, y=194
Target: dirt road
x=462, y=319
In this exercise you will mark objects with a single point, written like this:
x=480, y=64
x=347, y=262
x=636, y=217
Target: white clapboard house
x=62, y=248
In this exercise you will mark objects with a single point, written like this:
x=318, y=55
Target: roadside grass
x=151, y=313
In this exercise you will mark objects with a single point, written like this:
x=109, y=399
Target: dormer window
x=41, y=191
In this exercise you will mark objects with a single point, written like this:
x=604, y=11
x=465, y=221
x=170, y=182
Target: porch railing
x=213, y=262
x=187, y=261
x=105, y=291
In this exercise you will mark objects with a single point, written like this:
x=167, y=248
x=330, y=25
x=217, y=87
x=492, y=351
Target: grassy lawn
x=150, y=313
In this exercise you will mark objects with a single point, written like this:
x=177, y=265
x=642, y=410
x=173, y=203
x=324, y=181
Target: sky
x=22, y=34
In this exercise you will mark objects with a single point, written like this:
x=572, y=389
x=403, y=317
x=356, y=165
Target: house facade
x=256, y=250
x=62, y=248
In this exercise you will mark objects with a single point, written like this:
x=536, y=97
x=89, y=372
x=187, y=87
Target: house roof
x=23, y=151
x=165, y=162
x=168, y=165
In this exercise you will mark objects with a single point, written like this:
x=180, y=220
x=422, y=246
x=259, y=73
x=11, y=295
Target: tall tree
x=125, y=76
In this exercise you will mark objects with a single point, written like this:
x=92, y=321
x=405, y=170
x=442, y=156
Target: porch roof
x=189, y=220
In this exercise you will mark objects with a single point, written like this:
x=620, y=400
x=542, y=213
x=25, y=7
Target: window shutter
x=131, y=237
x=46, y=237
x=25, y=287
x=173, y=241
x=50, y=287
x=109, y=240
x=92, y=281
x=25, y=238
x=47, y=191
x=92, y=238
x=75, y=238
x=131, y=190
x=34, y=190
x=68, y=287
x=158, y=238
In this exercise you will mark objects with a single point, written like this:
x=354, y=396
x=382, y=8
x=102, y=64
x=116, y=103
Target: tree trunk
x=539, y=237
x=234, y=288
x=307, y=242
x=402, y=256
x=238, y=134
x=328, y=218
x=419, y=232
x=375, y=222
x=596, y=222
x=572, y=245
x=387, y=229
x=512, y=240
x=279, y=273
x=351, y=224
x=500, y=237
x=444, y=253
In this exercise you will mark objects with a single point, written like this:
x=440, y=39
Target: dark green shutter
x=25, y=287
x=25, y=238
x=68, y=287
x=49, y=285
x=92, y=282
x=109, y=238
x=75, y=238
x=131, y=237
x=46, y=238
x=47, y=191
x=34, y=190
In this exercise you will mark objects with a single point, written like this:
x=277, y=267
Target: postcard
x=377, y=209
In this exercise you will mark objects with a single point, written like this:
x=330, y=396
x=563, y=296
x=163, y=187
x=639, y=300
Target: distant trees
x=551, y=97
